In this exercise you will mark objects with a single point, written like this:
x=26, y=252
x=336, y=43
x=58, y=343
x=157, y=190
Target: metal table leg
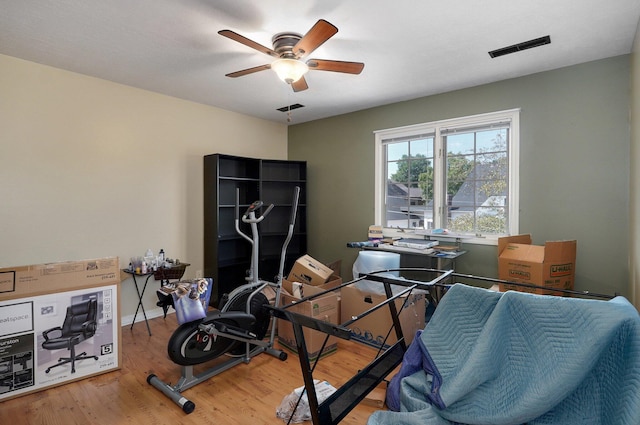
x=140, y=304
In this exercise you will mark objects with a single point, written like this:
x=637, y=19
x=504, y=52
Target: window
x=459, y=174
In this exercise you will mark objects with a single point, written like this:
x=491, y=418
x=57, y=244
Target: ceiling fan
x=290, y=49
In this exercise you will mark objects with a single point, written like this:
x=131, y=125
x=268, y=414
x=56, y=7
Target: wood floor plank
x=245, y=394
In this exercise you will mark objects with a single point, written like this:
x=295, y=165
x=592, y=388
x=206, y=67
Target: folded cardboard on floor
x=34, y=303
x=373, y=328
x=551, y=265
x=324, y=308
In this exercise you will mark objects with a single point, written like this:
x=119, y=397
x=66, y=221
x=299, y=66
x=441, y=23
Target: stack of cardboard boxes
x=309, y=276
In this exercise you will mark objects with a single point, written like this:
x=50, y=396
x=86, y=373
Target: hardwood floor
x=246, y=394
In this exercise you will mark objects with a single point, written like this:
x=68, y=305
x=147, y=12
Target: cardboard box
x=373, y=329
x=324, y=308
x=336, y=267
x=550, y=266
x=310, y=271
x=333, y=282
x=34, y=301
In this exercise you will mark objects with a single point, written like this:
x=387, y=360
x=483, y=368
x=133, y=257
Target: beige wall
x=90, y=168
x=634, y=197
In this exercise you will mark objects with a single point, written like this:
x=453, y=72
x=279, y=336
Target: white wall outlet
x=198, y=274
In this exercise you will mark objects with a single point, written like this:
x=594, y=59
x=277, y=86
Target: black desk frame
x=337, y=406
x=332, y=410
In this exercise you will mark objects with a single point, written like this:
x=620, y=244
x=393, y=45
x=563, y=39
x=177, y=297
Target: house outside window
x=459, y=174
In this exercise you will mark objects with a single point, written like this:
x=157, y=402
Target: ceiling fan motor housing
x=283, y=44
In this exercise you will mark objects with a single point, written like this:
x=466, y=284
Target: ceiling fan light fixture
x=289, y=70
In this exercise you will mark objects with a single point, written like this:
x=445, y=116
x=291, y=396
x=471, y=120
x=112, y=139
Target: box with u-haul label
x=550, y=266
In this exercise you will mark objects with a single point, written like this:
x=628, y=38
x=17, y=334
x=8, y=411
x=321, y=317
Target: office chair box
x=59, y=322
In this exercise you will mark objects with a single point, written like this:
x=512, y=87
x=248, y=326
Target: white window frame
x=512, y=115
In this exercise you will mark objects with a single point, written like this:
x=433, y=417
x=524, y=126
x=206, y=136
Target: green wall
x=574, y=167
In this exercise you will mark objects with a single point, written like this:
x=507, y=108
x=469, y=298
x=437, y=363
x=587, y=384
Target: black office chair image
x=79, y=324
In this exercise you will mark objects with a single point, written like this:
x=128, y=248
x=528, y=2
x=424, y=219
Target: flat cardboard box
x=551, y=266
x=34, y=299
x=373, y=329
x=310, y=271
x=324, y=308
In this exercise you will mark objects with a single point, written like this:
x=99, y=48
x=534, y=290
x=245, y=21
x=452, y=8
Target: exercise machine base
x=188, y=379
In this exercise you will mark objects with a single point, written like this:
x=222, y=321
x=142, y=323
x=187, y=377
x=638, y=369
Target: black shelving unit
x=227, y=256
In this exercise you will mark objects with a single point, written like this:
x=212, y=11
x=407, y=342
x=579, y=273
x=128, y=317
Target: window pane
x=422, y=147
x=492, y=140
x=460, y=144
x=477, y=182
x=395, y=151
x=409, y=191
x=392, y=170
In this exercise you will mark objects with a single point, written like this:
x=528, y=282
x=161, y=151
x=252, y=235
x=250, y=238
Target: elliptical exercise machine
x=238, y=328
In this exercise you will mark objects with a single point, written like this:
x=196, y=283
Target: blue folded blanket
x=514, y=358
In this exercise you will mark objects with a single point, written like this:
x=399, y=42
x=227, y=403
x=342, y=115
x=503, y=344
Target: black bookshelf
x=227, y=256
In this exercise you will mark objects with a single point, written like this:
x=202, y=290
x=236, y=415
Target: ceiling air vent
x=290, y=107
x=537, y=42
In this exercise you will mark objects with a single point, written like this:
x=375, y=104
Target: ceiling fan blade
x=335, y=66
x=299, y=85
x=250, y=43
x=318, y=34
x=248, y=71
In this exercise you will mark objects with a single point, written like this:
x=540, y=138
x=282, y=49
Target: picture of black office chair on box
x=79, y=324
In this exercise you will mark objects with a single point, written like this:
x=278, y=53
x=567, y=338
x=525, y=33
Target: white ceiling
x=411, y=48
